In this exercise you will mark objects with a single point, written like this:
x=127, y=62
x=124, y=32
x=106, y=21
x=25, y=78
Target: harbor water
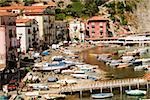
x=89, y=57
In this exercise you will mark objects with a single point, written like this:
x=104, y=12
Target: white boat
x=39, y=86
x=102, y=95
x=34, y=93
x=66, y=81
x=135, y=92
x=56, y=66
x=67, y=71
x=81, y=76
x=54, y=96
x=140, y=67
x=79, y=72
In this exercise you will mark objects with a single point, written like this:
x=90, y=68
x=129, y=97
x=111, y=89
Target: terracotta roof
x=7, y=14
x=52, y=3
x=23, y=7
x=103, y=38
x=34, y=11
x=22, y=20
x=97, y=18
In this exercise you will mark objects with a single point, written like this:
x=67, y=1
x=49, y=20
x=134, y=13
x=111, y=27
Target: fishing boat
x=135, y=92
x=102, y=95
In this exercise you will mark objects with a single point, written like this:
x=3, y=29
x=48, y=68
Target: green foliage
x=57, y=11
x=100, y=2
x=60, y=16
x=123, y=20
x=119, y=8
x=74, y=9
x=112, y=18
x=75, y=0
x=5, y=3
x=78, y=9
x=90, y=8
x=28, y=2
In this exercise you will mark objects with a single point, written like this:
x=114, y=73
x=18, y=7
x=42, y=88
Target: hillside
x=131, y=14
x=143, y=16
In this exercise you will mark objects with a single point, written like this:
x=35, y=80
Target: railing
x=103, y=84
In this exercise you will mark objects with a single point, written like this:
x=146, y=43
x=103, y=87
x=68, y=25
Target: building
x=43, y=14
x=8, y=44
x=97, y=27
x=76, y=30
x=61, y=30
x=28, y=29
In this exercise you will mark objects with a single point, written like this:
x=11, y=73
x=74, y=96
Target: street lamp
x=18, y=60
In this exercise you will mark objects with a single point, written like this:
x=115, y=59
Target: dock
x=106, y=84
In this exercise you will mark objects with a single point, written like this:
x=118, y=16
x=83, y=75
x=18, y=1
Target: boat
x=102, y=95
x=55, y=96
x=55, y=66
x=57, y=58
x=80, y=76
x=123, y=65
x=135, y=92
x=66, y=81
x=79, y=72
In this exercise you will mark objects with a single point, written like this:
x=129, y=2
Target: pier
x=106, y=84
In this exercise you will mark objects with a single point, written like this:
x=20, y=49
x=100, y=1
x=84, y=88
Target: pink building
x=97, y=27
x=8, y=42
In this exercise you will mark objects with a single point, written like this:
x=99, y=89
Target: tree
x=5, y=3
x=100, y=2
x=60, y=16
x=75, y=0
x=74, y=9
x=28, y=2
x=90, y=8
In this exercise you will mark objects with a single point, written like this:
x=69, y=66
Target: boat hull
x=135, y=92
x=102, y=95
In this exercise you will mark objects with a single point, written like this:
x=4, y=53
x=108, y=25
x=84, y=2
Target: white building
x=27, y=30
x=76, y=30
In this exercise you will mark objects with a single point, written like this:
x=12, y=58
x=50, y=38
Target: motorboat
x=57, y=66
x=102, y=95
x=66, y=81
x=80, y=76
x=135, y=92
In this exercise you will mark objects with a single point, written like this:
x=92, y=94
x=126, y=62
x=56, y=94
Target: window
x=92, y=35
x=101, y=32
x=101, y=24
x=10, y=33
x=29, y=31
x=93, y=31
x=93, y=26
x=15, y=33
x=34, y=31
x=75, y=28
x=92, y=23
